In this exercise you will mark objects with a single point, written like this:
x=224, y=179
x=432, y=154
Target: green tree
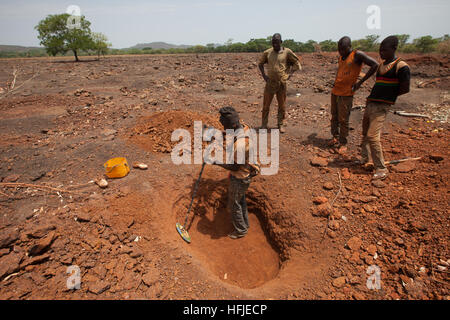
x=369, y=43
x=444, y=44
x=100, y=44
x=328, y=45
x=199, y=49
x=402, y=40
x=257, y=45
x=426, y=43
x=291, y=44
x=309, y=46
x=58, y=36
x=237, y=47
x=210, y=46
x=229, y=42
x=409, y=48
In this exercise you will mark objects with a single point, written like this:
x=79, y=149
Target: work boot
x=236, y=235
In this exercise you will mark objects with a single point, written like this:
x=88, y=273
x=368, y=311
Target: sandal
x=236, y=235
x=380, y=175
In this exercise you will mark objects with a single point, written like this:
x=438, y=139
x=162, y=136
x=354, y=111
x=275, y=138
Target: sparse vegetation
x=100, y=44
x=58, y=37
x=97, y=43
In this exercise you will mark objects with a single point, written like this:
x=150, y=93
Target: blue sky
x=127, y=23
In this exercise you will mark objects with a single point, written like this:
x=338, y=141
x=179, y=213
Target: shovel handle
x=194, y=193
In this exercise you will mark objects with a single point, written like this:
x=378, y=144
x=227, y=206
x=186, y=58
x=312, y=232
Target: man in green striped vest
x=392, y=80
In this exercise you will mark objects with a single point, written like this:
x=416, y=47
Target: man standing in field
x=392, y=80
x=282, y=63
x=345, y=85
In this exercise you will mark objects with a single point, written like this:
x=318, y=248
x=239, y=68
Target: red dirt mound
x=427, y=60
x=154, y=132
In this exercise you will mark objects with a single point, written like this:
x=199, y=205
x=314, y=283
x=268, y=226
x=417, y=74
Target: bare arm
x=295, y=62
x=262, y=61
x=263, y=73
x=361, y=57
x=291, y=72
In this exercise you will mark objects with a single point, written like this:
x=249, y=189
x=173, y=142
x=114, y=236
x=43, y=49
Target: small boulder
x=436, y=157
x=354, y=243
x=371, y=249
x=319, y=162
x=328, y=186
x=42, y=245
x=98, y=287
x=339, y=282
x=345, y=174
x=83, y=216
x=322, y=210
x=320, y=200
x=11, y=178
x=151, y=277
x=8, y=237
x=10, y=264
x=404, y=167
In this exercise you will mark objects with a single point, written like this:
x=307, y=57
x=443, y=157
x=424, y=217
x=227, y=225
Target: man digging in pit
x=282, y=63
x=240, y=174
x=392, y=80
x=349, y=67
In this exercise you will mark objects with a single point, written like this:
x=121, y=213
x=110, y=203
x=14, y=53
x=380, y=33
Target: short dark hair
x=345, y=41
x=229, y=116
x=277, y=36
x=391, y=41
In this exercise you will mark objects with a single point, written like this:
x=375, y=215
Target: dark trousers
x=237, y=203
x=340, y=115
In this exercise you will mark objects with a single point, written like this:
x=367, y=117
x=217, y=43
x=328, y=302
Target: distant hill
x=8, y=48
x=159, y=45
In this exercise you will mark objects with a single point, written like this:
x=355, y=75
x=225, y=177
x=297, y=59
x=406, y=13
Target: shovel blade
x=183, y=233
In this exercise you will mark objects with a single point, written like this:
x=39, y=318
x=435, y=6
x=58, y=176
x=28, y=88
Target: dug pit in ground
x=275, y=254
x=247, y=262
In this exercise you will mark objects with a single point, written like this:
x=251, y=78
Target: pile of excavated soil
x=154, y=132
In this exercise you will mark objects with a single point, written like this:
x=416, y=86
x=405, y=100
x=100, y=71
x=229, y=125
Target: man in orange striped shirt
x=345, y=85
x=392, y=80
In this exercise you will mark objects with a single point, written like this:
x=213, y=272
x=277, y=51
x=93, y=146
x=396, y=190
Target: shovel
x=182, y=228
